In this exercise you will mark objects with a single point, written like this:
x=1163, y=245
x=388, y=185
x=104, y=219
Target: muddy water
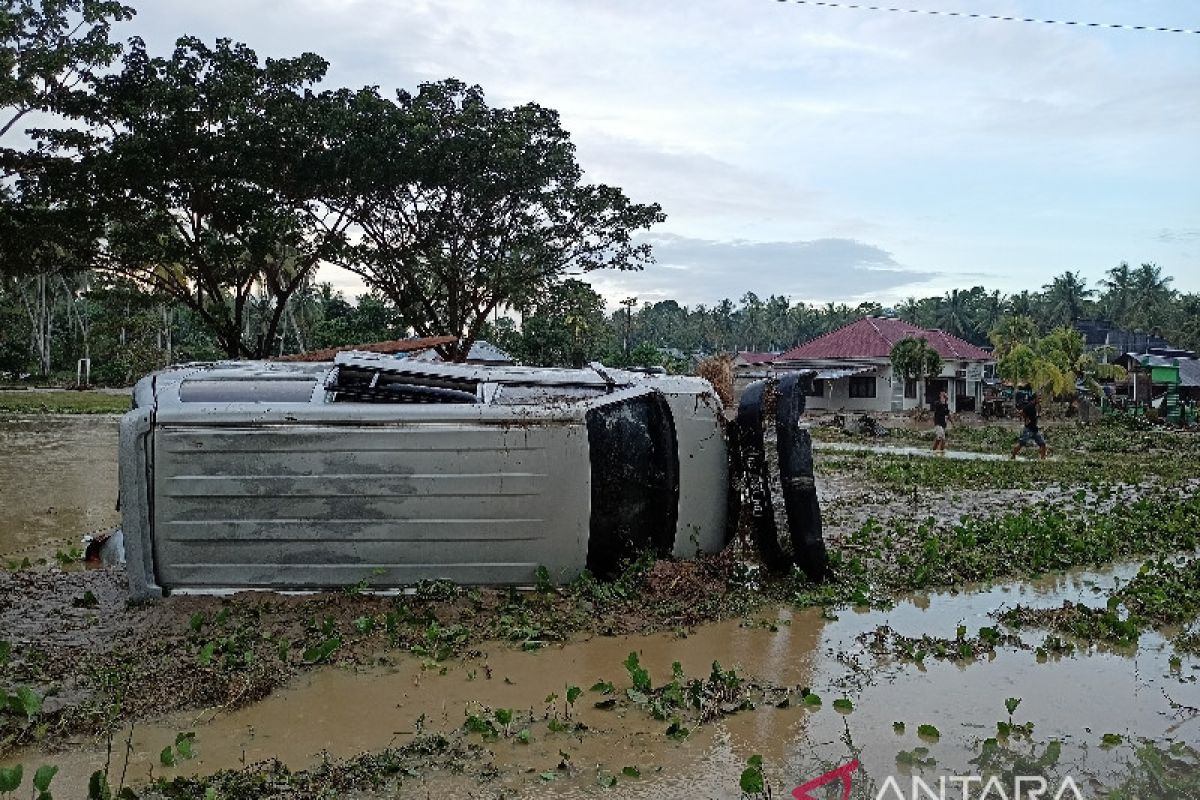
x=58, y=480
x=1075, y=699
x=909, y=450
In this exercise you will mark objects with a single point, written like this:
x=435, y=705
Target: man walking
x=941, y=420
x=1030, y=433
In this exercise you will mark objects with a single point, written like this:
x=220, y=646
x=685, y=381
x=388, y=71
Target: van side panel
x=311, y=506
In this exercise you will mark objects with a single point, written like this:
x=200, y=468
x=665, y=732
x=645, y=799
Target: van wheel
x=780, y=489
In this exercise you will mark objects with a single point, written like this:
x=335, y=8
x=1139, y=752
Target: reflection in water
x=1074, y=699
x=58, y=480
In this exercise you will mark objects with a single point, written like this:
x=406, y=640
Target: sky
x=826, y=154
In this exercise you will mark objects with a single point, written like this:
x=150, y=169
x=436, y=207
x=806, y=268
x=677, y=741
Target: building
x=854, y=368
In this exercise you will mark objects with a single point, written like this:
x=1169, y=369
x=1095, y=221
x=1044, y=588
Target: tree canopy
x=467, y=208
x=913, y=359
x=209, y=170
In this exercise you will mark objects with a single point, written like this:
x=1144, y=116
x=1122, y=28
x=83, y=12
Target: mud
x=339, y=712
x=58, y=480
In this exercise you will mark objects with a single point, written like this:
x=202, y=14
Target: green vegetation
x=1164, y=594
x=35, y=402
x=877, y=561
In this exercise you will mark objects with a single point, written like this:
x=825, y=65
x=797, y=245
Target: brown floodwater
x=58, y=481
x=1074, y=699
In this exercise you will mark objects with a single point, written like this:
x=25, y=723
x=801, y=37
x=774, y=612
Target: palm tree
x=1118, y=297
x=954, y=313
x=989, y=310
x=1151, y=294
x=1067, y=296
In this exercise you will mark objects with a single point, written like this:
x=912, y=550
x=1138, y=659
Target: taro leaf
x=843, y=705
x=631, y=772
x=1003, y=729
x=751, y=781
x=1011, y=704
x=504, y=715
x=167, y=756
x=183, y=745
x=43, y=776
x=315, y=655
x=98, y=786
x=1052, y=754
x=476, y=724
x=26, y=701
x=928, y=732
x=1110, y=740
x=10, y=778
x=637, y=675
x=677, y=731
x=812, y=699
x=603, y=687
x=573, y=693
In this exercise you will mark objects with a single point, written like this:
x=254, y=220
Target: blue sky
x=827, y=154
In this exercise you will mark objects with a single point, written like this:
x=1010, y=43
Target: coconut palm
x=1067, y=297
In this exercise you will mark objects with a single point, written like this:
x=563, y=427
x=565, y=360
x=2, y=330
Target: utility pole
x=629, y=303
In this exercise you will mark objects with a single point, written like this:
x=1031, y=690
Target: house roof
x=1189, y=372
x=393, y=346
x=874, y=337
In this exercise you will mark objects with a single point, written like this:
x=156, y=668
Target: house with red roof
x=854, y=368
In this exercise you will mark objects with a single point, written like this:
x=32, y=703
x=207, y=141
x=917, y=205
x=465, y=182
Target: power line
x=995, y=17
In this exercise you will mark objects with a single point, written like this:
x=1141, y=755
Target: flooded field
x=1076, y=700
x=58, y=480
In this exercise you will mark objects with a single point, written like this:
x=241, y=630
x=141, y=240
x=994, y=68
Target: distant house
x=752, y=360
x=1098, y=334
x=854, y=368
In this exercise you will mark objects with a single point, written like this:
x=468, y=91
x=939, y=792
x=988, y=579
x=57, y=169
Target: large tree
x=209, y=170
x=468, y=208
x=49, y=50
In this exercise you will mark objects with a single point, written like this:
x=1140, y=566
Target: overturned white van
x=298, y=476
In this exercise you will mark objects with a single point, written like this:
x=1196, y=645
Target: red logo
x=843, y=772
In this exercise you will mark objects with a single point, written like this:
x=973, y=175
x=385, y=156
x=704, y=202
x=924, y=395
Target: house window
x=862, y=387
x=910, y=389
x=817, y=389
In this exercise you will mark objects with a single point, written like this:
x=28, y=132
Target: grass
x=62, y=402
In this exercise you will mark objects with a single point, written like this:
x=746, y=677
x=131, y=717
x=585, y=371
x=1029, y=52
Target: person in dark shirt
x=1030, y=433
x=941, y=420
